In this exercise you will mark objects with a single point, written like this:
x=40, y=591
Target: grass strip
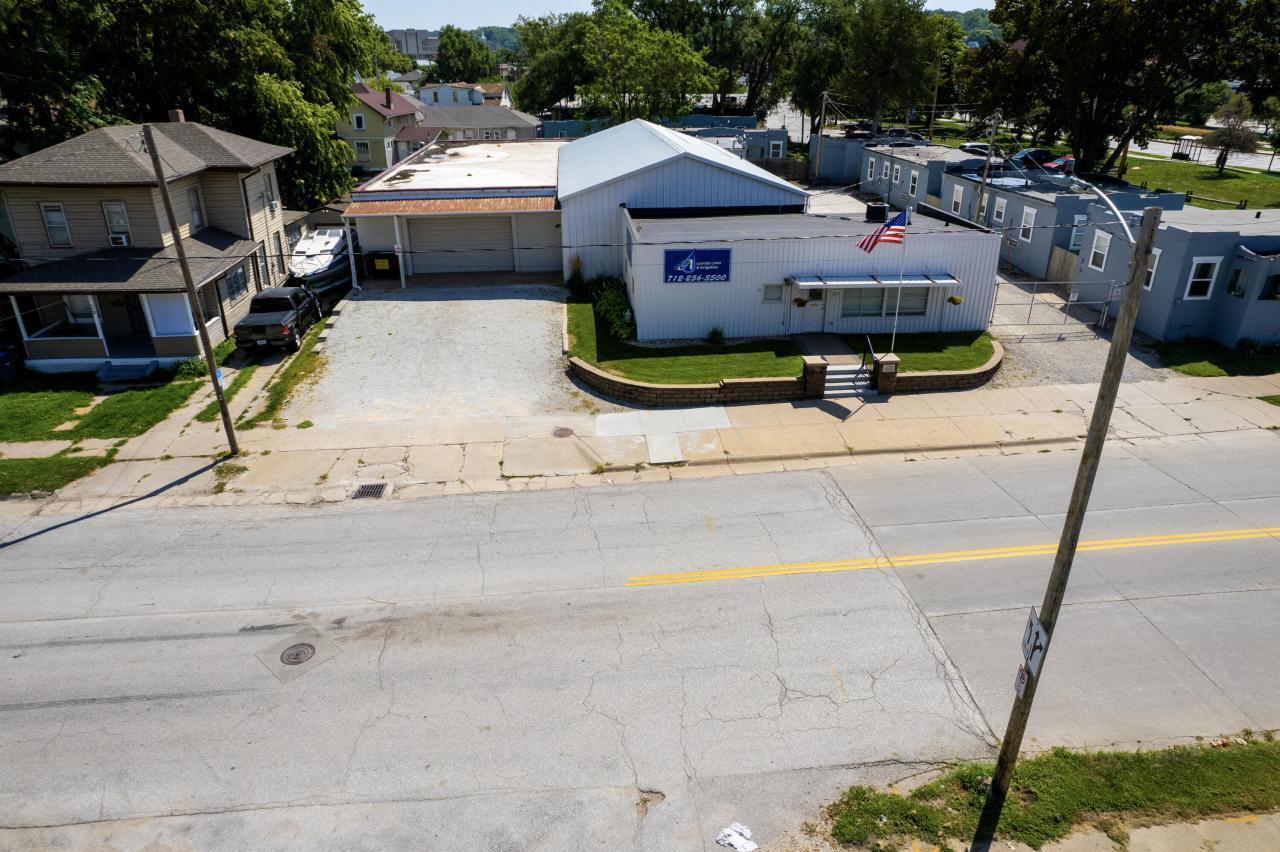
x=131, y=412
x=1274, y=399
x=29, y=412
x=677, y=365
x=1055, y=792
x=18, y=476
x=1207, y=358
x=210, y=412
x=303, y=367
x=946, y=350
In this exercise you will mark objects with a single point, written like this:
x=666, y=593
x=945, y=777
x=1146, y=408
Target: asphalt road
x=485, y=678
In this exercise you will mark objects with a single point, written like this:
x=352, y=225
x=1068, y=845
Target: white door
x=814, y=311
x=461, y=244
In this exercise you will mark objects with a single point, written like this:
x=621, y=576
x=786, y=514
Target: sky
x=403, y=14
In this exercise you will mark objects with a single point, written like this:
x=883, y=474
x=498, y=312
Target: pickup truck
x=278, y=316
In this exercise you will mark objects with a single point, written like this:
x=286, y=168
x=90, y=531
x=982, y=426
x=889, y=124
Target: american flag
x=893, y=231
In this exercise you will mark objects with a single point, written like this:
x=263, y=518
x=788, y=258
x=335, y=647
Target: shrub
x=716, y=336
x=195, y=367
x=613, y=307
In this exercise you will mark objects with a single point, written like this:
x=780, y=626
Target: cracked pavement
x=497, y=686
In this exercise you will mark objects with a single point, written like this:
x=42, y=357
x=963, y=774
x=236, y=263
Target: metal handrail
x=868, y=349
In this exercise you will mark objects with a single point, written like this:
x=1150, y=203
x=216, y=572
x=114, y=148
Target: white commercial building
x=770, y=275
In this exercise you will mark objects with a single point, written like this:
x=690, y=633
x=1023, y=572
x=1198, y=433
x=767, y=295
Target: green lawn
x=210, y=412
x=303, y=367
x=1258, y=188
x=680, y=365
x=1273, y=399
x=1206, y=358
x=1054, y=792
x=47, y=474
x=29, y=411
x=958, y=350
x=131, y=412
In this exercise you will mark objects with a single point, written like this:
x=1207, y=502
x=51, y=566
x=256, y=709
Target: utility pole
x=1057, y=588
x=822, y=122
x=192, y=298
x=986, y=167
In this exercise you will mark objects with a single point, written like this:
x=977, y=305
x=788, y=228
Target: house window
x=435, y=97
x=262, y=259
x=1200, y=282
x=1234, y=287
x=55, y=225
x=884, y=170
x=915, y=182
x=1077, y=232
x=1028, y=223
x=279, y=246
x=197, y=209
x=911, y=303
x=455, y=96
x=562, y=134
x=170, y=314
x=871, y=169
x=117, y=218
x=269, y=187
x=775, y=150
x=897, y=174
x=772, y=294
x=1270, y=291
x=1152, y=263
x=862, y=302
x=362, y=151
x=957, y=198
x=982, y=206
x=234, y=284
x=80, y=309
x=997, y=215
x=1101, y=247
x=357, y=120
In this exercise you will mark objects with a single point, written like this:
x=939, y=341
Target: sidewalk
x=175, y=461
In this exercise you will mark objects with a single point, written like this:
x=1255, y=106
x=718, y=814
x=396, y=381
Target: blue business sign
x=695, y=266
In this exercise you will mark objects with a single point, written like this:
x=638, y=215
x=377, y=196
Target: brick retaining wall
x=725, y=391
x=952, y=380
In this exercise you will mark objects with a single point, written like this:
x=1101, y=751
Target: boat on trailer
x=320, y=256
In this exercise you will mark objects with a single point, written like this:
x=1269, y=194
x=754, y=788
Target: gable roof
x=639, y=145
x=114, y=155
x=377, y=101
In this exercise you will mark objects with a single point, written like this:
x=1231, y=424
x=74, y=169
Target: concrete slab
x=435, y=464
x=31, y=449
x=618, y=423
x=624, y=450
x=664, y=449
x=482, y=462
x=701, y=446
x=285, y=471
x=546, y=457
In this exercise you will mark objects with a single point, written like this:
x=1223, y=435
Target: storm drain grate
x=370, y=491
x=562, y=432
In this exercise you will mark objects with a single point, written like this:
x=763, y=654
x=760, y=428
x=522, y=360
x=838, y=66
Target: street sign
x=218, y=376
x=1020, y=681
x=1034, y=642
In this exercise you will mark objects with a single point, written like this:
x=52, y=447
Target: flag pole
x=902, y=262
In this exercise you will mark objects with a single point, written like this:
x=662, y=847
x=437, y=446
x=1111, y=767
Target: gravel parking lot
x=482, y=351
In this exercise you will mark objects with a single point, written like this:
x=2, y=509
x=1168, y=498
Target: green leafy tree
x=819, y=55
x=769, y=41
x=330, y=42
x=320, y=166
x=1195, y=105
x=893, y=48
x=1267, y=114
x=461, y=57
x=1234, y=136
x=554, y=59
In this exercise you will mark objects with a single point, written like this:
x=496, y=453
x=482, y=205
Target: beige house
x=101, y=281
x=372, y=123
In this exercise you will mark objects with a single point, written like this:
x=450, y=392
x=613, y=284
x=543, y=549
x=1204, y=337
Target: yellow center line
x=914, y=559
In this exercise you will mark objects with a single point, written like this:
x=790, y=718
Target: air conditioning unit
x=120, y=240
x=273, y=206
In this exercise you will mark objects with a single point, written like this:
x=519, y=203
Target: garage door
x=461, y=244
x=538, y=237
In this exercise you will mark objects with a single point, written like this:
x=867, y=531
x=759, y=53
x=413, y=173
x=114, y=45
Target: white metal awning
x=852, y=282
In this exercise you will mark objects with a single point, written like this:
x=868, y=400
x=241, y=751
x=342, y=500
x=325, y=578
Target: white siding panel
x=678, y=311
x=537, y=242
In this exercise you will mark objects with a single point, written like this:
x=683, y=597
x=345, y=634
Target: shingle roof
x=475, y=115
x=377, y=101
x=114, y=155
x=211, y=252
x=638, y=145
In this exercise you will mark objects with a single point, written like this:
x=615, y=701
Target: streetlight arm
x=1128, y=233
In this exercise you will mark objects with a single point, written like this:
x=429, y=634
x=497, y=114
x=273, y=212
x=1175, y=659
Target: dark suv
x=278, y=316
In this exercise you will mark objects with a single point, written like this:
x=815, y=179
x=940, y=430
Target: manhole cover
x=370, y=491
x=296, y=655
x=562, y=432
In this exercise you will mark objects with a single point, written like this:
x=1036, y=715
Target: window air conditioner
x=119, y=239
x=273, y=206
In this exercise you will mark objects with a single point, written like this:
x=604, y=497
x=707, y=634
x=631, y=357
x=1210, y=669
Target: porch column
x=351, y=255
x=399, y=250
x=22, y=326
x=97, y=323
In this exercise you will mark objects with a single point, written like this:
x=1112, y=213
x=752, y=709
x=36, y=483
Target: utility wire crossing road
x=916, y=559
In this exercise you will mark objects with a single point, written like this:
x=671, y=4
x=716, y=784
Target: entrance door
x=815, y=309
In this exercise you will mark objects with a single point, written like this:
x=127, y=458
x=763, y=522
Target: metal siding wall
x=539, y=241
x=679, y=311
x=592, y=223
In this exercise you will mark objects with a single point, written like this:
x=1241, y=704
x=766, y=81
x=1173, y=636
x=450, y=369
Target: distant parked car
x=1030, y=157
x=278, y=316
x=904, y=133
x=1065, y=165
x=979, y=149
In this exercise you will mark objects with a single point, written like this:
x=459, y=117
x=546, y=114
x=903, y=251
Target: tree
x=462, y=58
x=1267, y=113
x=819, y=55
x=893, y=48
x=1104, y=70
x=637, y=71
x=330, y=42
x=554, y=59
x=319, y=168
x=1233, y=136
x=1195, y=105
x=768, y=45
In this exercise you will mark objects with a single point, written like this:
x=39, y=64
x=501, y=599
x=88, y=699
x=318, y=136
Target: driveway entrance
x=490, y=350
